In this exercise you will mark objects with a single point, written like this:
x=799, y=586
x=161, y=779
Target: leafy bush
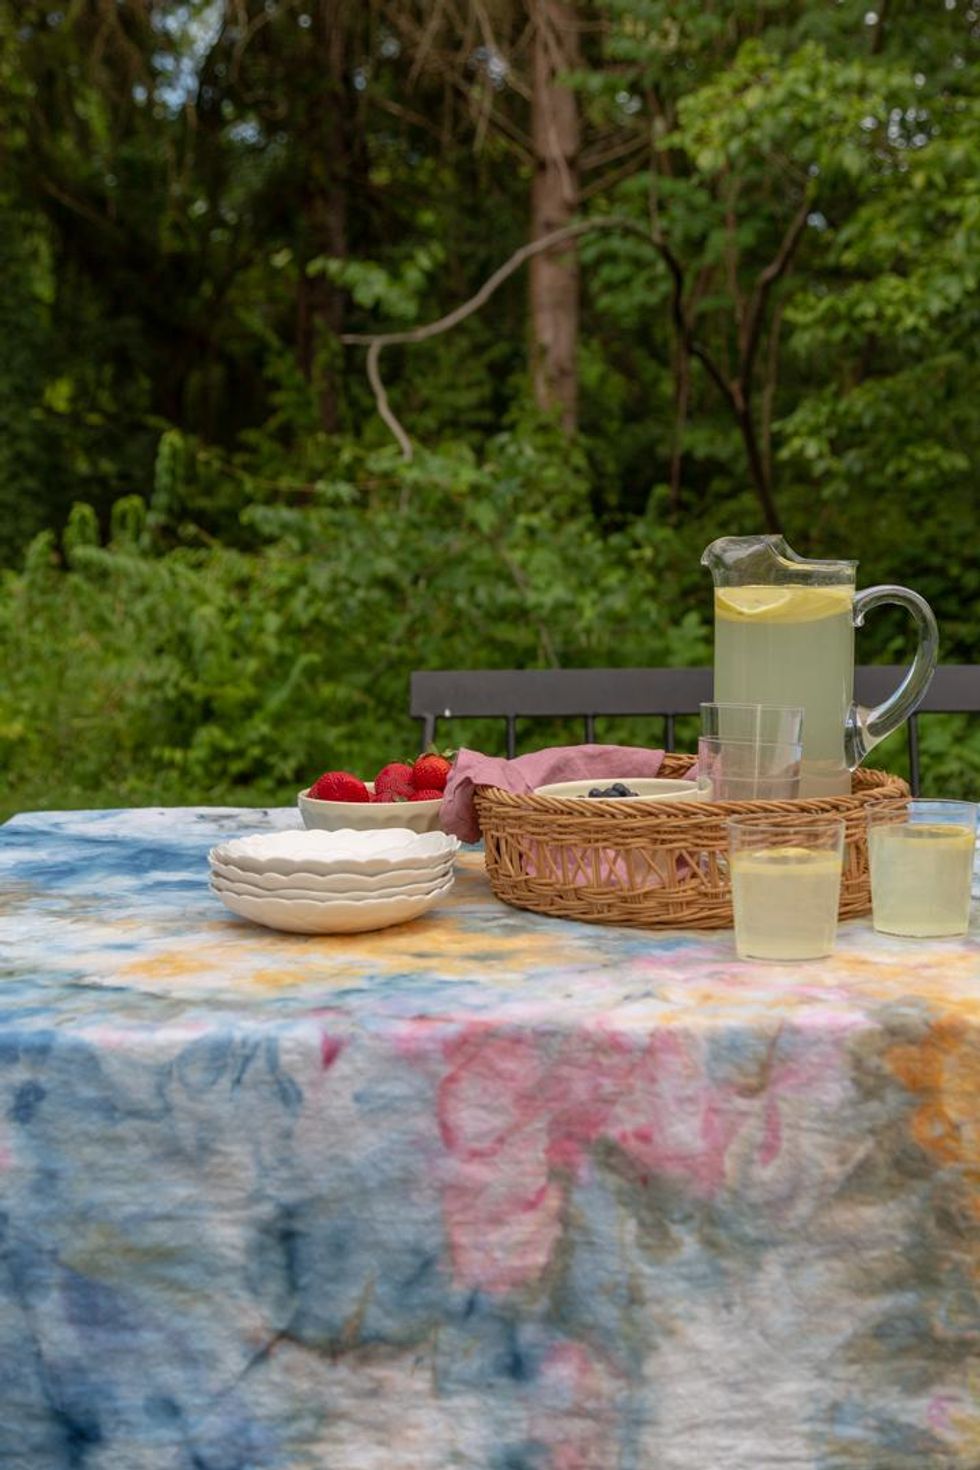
x=211, y=674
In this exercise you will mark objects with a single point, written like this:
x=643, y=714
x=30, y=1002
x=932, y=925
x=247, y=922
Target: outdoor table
x=486, y=1190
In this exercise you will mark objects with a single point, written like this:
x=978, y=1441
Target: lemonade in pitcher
x=784, y=635
x=792, y=646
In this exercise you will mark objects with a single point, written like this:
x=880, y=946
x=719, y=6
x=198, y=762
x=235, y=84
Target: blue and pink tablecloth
x=487, y=1191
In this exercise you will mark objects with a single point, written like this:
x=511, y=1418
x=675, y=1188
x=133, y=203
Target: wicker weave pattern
x=656, y=867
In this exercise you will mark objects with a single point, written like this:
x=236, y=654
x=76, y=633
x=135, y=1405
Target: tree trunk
x=554, y=279
x=760, y=476
x=327, y=129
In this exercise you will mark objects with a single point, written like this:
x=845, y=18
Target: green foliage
x=213, y=672
x=219, y=571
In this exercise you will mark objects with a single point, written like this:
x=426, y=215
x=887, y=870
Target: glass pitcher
x=784, y=634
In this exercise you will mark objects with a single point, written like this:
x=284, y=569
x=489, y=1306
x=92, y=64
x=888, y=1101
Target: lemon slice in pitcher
x=781, y=604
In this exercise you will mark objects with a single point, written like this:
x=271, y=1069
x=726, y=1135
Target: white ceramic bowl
x=326, y=853
x=368, y=816
x=373, y=884
x=336, y=916
x=647, y=788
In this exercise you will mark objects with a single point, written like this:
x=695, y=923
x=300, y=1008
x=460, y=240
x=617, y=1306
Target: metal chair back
x=588, y=694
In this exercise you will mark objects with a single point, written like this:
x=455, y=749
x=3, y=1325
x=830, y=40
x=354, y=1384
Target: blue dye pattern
x=439, y=1198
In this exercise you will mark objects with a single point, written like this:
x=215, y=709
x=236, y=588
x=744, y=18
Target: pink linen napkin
x=539, y=768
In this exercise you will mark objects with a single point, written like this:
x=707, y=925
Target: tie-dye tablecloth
x=487, y=1190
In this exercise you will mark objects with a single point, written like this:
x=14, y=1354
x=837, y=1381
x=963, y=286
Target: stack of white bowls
x=344, y=882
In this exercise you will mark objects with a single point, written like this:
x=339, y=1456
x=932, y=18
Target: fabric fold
x=538, y=768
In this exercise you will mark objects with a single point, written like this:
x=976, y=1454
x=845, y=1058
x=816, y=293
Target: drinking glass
x=785, y=886
x=770, y=724
x=921, y=858
x=744, y=770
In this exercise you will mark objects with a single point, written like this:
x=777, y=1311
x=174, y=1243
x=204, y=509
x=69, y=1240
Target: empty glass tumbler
x=768, y=724
x=741, y=771
x=751, y=752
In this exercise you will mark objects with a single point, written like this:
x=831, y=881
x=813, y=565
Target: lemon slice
x=772, y=860
x=751, y=602
x=781, y=604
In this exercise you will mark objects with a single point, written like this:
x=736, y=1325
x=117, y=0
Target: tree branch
x=765, y=281
x=682, y=394
x=611, y=179
x=682, y=324
x=681, y=319
x=381, y=399
x=375, y=341
x=769, y=388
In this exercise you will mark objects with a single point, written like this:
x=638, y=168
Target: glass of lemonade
x=786, y=879
x=921, y=857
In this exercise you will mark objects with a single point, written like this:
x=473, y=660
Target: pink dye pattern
x=575, y=1414
x=330, y=1049
x=502, y=1223
x=501, y=1211
x=672, y=1121
x=938, y=1412
x=519, y=1115
x=490, y=1093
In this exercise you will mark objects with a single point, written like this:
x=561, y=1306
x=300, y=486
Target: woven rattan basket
x=657, y=866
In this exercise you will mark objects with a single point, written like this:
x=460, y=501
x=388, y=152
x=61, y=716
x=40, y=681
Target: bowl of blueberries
x=629, y=788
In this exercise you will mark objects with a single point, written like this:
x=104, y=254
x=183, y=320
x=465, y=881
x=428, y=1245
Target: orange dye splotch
x=943, y=1071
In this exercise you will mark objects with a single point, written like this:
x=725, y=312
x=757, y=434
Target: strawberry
x=393, y=795
x=431, y=772
x=339, y=786
x=395, y=778
x=424, y=795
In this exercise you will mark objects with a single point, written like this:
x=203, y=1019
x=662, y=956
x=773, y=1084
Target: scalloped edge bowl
x=332, y=916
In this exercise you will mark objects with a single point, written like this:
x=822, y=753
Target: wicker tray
x=661, y=866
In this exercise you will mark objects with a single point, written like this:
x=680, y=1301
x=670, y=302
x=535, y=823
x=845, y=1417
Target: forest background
x=232, y=521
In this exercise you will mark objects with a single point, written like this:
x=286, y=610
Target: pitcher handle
x=867, y=726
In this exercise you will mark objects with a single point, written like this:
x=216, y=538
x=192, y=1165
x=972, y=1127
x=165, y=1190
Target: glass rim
x=796, y=709
x=793, y=823
x=725, y=742
x=902, y=807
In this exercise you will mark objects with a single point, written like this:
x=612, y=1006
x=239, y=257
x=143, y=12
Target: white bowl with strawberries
x=402, y=794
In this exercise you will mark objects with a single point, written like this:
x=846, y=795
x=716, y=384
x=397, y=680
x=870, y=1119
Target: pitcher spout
x=738, y=561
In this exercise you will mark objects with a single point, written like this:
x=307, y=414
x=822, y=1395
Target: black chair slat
x=511, y=694
x=558, y=693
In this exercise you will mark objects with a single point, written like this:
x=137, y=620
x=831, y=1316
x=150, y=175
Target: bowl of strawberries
x=402, y=794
